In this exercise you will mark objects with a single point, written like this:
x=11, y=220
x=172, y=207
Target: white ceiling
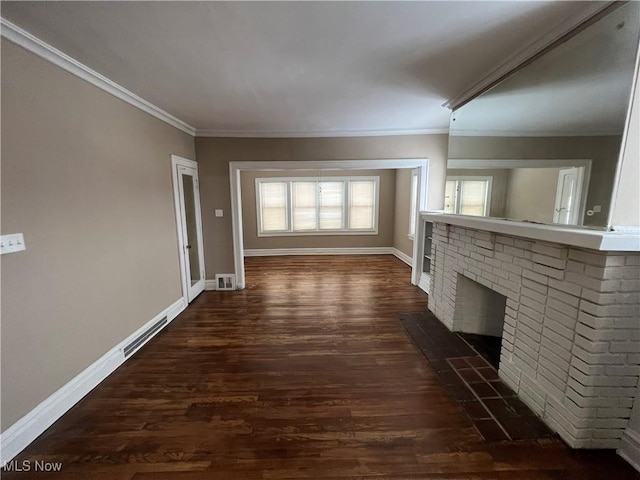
x=294, y=68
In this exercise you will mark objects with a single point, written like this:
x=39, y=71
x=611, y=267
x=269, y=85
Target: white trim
x=318, y=134
x=528, y=52
x=532, y=133
x=630, y=448
x=568, y=235
x=34, y=45
x=402, y=256
x=236, y=195
x=425, y=282
x=277, y=252
x=483, y=164
x=210, y=284
x=19, y=435
x=188, y=291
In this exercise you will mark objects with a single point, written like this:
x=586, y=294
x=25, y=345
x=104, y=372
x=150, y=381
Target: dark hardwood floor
x=307, y=373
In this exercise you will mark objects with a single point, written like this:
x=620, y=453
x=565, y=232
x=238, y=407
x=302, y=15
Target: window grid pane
x=450, y=196
x=273, y=197
x=331, y=200
x=361, y=204
x=304, y=199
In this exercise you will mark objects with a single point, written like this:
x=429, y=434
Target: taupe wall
x=531, y=194
x=499, y=184
x=384, y=238
x=401, y=239
x=214, y=155
x=602, y=150
x=87, y=179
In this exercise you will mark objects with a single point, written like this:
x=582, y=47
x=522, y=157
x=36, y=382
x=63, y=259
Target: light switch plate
x=219, y=212
x=12, y=243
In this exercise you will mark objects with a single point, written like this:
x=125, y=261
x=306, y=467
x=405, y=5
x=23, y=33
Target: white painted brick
x=524, y=244
x=531, y=323
x=566, y=287
x=564, y=320
x=632, y=260
x=562, y=363
x=593, y=271
x=564, y=297
x=524, y=263
x=624, y=322
x=531, y=313
x=583, y=281
x=591, y=257
x=598, y=358
x=603, y=380
x=624, y=347
x=607, y=433
x=508, y=284
x=553, y=262
x=558, y=328
x=503, y=257
x=484, y=244
x=561, y=307
x=528, y=302
x=594, y=402
x=586, y=368
x=513, y=251
x=590, y=346
x=551, y=384
x=533, y=295
x=551, y=250
x=629, y=285
x=538, y=287
x=614, y=412
x=597, y=322
x=573, y=266
x=610, y=310
x=613, y=260
x=631, y=273
x=514, y=269
x=504, y=240
x=560, y=341
x=548, y=271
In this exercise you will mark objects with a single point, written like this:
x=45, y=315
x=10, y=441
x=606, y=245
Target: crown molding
x=317, y=134
x=533, y=133
x=534, y=48
x=34, y=45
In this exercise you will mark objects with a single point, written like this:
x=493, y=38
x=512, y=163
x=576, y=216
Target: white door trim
x=176, y=163
x=378, y=164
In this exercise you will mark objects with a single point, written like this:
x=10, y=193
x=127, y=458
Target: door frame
x=176, y=163
x=376, y=164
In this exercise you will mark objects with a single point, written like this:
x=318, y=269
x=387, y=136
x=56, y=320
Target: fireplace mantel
x=577, y=237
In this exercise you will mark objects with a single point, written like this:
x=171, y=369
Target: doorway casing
x=235, y=169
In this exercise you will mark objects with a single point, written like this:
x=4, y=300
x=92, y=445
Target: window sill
x=317, y=234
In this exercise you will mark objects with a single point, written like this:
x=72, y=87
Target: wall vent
x=143, y=337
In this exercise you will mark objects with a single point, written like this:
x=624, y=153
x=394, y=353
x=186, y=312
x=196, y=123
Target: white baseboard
x=210, y=284
x=273, y=252
x=28, y=428
x=402, y=256
x=630, y=448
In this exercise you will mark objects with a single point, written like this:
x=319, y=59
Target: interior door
x=568, y=195
x=190, y=230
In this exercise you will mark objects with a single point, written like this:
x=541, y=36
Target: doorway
x=186, y=190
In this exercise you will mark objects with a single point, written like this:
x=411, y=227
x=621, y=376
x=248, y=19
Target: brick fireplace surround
x=571, y=339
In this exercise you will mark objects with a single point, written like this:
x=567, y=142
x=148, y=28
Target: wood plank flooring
x=307, y=373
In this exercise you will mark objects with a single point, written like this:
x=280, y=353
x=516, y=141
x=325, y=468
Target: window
x=467, y=195
x=301, y=206
x=413, y=203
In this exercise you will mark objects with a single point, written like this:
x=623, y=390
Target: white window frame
x=487, y=200
x=414, y=199
x=345, y=230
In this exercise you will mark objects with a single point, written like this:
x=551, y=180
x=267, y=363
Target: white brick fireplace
x=571, y=338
